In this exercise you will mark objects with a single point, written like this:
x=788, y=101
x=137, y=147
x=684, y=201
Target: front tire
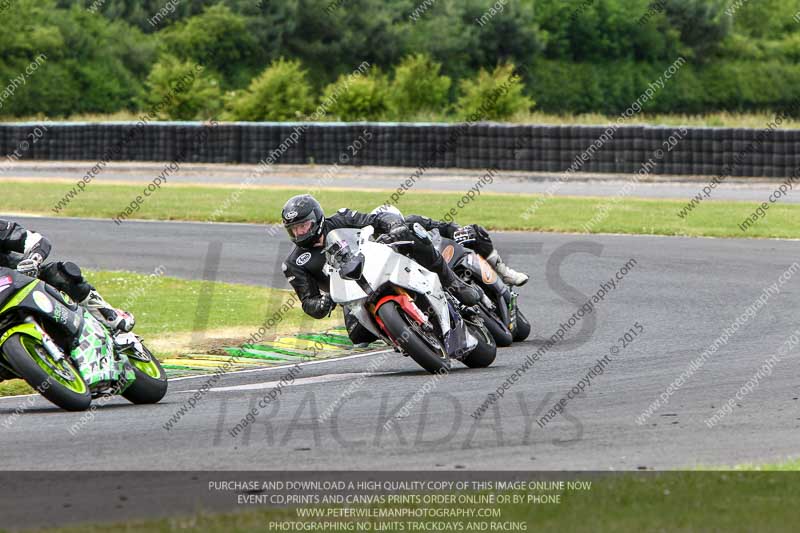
x=523, y=328
x=59, y=382
x=398, y=326
x=151, y=384
x=485, y=352
x=502, y=337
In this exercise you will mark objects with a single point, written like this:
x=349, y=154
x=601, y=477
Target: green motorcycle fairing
x=96, y=357
x=37, y=300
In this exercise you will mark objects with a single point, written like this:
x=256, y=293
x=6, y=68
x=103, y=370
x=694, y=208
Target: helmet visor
x=303, y=229
x=300, y=229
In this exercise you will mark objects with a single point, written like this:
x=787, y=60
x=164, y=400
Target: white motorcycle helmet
x=387, y=208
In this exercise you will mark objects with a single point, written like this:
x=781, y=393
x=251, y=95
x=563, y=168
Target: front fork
x=32, y=329
x=48, y=343
x=512, y=311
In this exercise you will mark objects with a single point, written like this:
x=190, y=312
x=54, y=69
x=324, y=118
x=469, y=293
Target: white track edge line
x=249, y=371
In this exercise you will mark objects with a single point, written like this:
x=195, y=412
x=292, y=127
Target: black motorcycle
x=498, y=306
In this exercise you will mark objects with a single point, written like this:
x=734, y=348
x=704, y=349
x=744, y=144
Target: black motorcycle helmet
x=303, y=218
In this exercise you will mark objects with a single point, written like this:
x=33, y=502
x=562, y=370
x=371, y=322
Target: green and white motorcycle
x=65, y=354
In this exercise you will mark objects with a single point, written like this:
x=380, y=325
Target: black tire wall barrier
x=701, y=151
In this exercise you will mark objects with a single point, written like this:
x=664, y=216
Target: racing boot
x=116, y=320
x=507, y=274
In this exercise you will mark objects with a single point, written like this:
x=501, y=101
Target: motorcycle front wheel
x=502, y=336
x=58, y=381
x=485, y=352
x=151, y=380
x=523, y=328
x=422, y=347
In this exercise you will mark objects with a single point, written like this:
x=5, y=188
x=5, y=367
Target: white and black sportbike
x=403, y=303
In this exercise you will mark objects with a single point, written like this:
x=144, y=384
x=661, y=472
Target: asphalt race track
x=683, y=292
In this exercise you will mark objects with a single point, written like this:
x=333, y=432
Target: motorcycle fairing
x=384, y=265
x=11, y=282
x=498, y=292
x=364, y=317
x=452, y=251
x=31, y=295
x=95, y=355
x=483, y=271
x=458, y=340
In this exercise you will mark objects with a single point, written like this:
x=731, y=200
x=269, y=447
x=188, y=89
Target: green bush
x=357, y=97
x=418, y=87
x=593, y=56
x=581, y=93
x=281, y=92
x=217, y=38
x=493, y=96
x=181, y=90
x=88, y=66
x=52, y=91
x=609, y=88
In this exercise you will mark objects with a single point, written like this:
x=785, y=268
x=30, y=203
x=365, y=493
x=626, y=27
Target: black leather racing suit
x=482, y=245
x=16, y=243
x=304, y=266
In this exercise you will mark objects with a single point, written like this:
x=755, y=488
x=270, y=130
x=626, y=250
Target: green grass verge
x=787, y=466
x=495, y=211
x=168, y=307
x=669, y=501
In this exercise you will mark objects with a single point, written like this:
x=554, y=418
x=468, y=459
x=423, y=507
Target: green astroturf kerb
x=282, y=350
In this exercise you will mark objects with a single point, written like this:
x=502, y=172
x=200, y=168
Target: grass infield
x=495, y=211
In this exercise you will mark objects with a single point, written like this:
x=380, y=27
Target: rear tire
x=502, y=337
x=411, y=342
x=150, y=385
x=485, y=352
x=523, y=328
x=17, y=350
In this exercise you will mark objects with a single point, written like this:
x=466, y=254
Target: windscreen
x=340, y=244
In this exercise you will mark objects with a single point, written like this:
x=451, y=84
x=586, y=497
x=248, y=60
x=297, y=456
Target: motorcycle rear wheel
x=399, y=327
x=58, y=381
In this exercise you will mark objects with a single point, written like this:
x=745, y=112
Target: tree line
x=276, y=60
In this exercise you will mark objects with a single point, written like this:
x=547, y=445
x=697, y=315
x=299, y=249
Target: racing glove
x=400, y=233
x=465, y=235
x=319, y=306
x=30, y=263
